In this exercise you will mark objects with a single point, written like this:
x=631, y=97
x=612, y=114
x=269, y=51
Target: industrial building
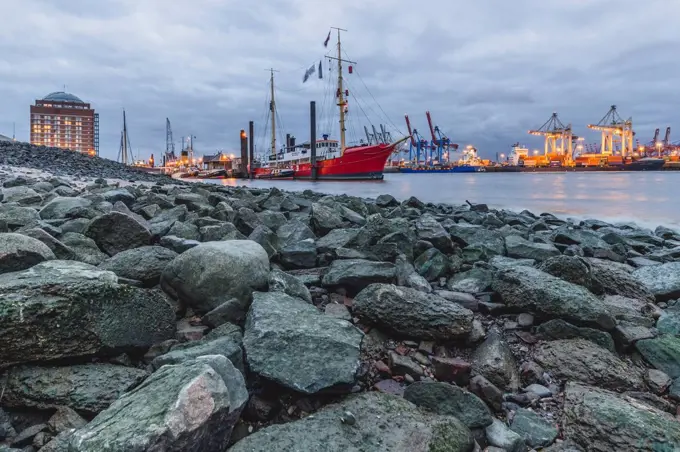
x=63, y=120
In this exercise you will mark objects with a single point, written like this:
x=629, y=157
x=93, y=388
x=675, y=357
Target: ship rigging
x=334, y=159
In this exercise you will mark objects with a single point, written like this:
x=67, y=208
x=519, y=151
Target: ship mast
x=272, y=108
x=341, y=94
x=341, y=97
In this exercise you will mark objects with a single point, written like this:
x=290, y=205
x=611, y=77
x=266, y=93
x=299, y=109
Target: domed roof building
x=61, y=96
x=64, y=120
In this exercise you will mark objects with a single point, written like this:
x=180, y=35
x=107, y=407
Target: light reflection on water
x=647, y=198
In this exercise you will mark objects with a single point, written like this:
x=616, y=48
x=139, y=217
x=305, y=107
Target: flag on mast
x=309, y=72
x=328, y=38
x=320, y=71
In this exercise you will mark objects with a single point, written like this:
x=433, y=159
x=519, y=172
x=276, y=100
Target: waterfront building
x=64, y=121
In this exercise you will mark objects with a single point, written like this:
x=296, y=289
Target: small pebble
x=348, y=418
x=525, y=320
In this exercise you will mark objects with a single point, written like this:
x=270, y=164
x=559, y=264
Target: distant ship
x=645, y=164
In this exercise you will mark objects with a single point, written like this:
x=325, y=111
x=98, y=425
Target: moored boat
x=645, y=164
x=334, y=160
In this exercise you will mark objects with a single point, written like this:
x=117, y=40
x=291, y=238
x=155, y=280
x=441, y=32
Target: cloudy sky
x=487, y=70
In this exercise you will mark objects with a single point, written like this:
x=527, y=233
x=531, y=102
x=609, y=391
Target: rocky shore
x=72, y=164
x=192, y=317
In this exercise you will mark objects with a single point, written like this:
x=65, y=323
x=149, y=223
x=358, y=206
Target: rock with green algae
x=383, y=423
x=600, y=420
x=662, y=352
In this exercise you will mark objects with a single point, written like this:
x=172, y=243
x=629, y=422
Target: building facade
x=64, y=121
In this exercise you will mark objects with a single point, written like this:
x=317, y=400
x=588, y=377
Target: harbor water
x=648, y=199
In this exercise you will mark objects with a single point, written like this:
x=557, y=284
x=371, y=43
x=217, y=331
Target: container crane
x=440, y=141
x=615, y=130
x=418, y=144
x=558, y=140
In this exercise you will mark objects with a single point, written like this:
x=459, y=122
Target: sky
x=488, y=71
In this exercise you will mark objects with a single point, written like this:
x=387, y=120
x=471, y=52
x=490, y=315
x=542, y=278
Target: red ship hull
x=357, y=163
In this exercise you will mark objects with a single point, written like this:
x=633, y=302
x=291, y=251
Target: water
x=646, y=198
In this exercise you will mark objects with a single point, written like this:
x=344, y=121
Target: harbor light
x=536, y=151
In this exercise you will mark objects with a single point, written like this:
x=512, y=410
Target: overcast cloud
x=487, y=70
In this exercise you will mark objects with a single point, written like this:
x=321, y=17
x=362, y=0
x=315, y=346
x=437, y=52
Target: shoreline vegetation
x=164, y=315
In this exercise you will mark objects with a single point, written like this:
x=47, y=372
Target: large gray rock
x=143, y=264
x=603, y=421
x=84, y=248
x=572, y=269
x=16, y=216
x=325, y=219
x=24, y=196
x=551, y=297
x=119, y=194
x=87, y=388
x=618, y=279
x=662, y=280
x=207, y=275
x=582, y=237
x=293, y=232
x=428, y=228
x=289, y=341
x=61, y=309
x=300, y=254
x=490, y=242
x=444, y=398
x=494, y=360
x=382, y=422
x=378, y=227
x=584, y=361
x=413, y=313
x=19, y=252
x=630, y=310
x=189, y=407
x=519, y=248
x=59, y=207
x=355, y=274
x=60, y=250
x=335, y=239
x=115, y=232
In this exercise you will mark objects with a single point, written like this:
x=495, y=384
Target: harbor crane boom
x=615, y=130
x=558, y=137
x=418, y=143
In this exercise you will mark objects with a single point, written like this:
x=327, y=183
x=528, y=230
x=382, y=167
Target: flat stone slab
x=289, y=341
